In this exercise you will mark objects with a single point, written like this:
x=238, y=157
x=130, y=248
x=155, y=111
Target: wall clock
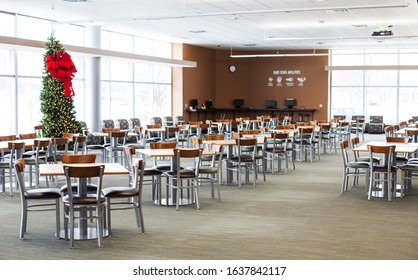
x=232, y=68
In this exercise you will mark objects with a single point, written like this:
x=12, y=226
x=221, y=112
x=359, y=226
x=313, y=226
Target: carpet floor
x=296, y=216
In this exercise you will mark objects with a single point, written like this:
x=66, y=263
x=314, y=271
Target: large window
x=7, y=111
x=128, y=88
x=135, y=89
x=7, y=90
x=374, y=82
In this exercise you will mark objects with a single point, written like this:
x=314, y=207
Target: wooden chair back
x=27, y=136
x=163, y=145
x=78, y=158
x=390, y=139
x=214, y=137
x=110, y=129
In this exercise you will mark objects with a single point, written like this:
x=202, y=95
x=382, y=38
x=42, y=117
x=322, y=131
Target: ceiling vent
x=339, y=11
x=382, y=33
x=385, y=31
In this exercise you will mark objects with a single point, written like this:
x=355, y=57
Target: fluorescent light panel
x=276, y=55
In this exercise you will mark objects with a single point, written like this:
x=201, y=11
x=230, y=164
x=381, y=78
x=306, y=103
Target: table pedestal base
x=172, y=202
x=90, y=234
x=380, y=191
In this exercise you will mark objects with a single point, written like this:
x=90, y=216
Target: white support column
x=93, y=96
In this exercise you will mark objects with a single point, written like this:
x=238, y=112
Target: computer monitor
x=271, y=104
x=238, y=103
x=194, y=103
x=289, y=102
x=208, y=104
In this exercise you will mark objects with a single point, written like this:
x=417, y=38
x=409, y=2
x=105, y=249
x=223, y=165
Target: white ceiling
x=241, y=24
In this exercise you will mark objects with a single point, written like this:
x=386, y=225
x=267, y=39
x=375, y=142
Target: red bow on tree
x=62, y=68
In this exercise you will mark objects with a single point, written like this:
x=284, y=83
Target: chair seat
x=89, y=199
x=151, y=171
x=114, y=149
x=412, y=161
x=358, y=164
x=208, y=169
x=302, y=142
x=96, y=147
x=185, y=173
x=32, y=153
x=120, y=192
x=409, y=167
x=244, y=158
x=162, y=167
x=43, y=193
x=32, y=161
x=384, y=169
x=257, y=156
x=278, y=150
x=367, y=159
x=153, y=139
x=400, y=158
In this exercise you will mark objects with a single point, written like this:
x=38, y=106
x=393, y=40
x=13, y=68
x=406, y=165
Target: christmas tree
x=57, y=104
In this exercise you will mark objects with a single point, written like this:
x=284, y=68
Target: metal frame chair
x=177, y=176
x=39, y=156
x=44, y=199
x=16, y=150
x=89, y=204
x=383, y=173
x=213, y=171
x=303, y=143
x=244, y=161
x=352, y=168
x=115, y=150
x=276, y=149
x=152, y=172
x=78, y=158
x=124, y=198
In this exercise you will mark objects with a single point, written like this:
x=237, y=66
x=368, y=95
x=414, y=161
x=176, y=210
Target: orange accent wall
x=211, y=79
x=200, y=82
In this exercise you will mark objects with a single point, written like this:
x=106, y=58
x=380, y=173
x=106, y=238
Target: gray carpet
x=296, y=216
